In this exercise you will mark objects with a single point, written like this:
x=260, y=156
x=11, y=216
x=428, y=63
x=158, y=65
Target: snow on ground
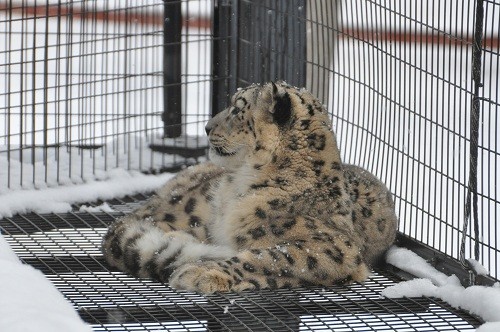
x=86, y=176
x=489, y=327
x=478, y=267
x=410, y=262
x=42, y=168
x=93, y=209
x=29, y=302
x=479, y=300
x=59, y=199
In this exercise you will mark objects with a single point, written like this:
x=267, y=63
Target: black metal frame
x=172, y=55
x=221, y=55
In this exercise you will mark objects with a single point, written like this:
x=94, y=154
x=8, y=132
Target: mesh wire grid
x=419, y=133
x=88, y=86
x=65, y=247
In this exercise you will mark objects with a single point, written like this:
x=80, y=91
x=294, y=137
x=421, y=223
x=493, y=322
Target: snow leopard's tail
x=142, y=249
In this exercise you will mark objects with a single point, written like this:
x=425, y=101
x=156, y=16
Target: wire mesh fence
x=83, y=86
x=407, y=88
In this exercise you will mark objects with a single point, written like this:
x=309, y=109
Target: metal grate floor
x=65, y=247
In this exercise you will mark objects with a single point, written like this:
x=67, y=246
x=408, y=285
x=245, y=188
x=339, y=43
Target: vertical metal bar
x=115, y=104
x=92, y=88
x=33, y=98
x=8, y=96
x=126, y=90
x=105, y=83
x=21, y=98
x=172, y=89
x=82, y=83
x=233, y=60
x=143, y=83
x=472, y=197
x=69, y=86
x=57, y=117
x=185, y=68
x=221, y=55
x=45, y=91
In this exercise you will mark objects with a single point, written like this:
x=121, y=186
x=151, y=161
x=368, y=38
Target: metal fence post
x=221, y=50
x=172, y=88
x=471, y=204
x=272, y=42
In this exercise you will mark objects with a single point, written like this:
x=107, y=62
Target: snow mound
x=59, y=199
x=478, y=268
x=29, y=302
x=489, y=327
x=101, y=208
x=478, y=300
x=410, y=262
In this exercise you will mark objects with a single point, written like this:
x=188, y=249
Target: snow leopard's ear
x=281, y=105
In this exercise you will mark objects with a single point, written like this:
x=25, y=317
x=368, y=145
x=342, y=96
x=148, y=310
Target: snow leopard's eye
x=235, y=110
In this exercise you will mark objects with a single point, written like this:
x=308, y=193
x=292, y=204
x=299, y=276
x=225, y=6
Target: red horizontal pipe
x=154, y=18
x=114, y=15
x=415, y=37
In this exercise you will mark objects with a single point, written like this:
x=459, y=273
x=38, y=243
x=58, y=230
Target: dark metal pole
x=220, y=55
x=471, y=206
x=172, y=93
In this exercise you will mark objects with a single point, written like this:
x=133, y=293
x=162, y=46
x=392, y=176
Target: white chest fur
x=227, y=205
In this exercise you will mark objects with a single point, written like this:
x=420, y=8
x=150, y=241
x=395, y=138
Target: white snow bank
x=45, y=168
x=59, y=199
x=478, y=268
x=489, y=327
x=101, y=208
x=409, y=261
x=479, y=300
x=29, y=302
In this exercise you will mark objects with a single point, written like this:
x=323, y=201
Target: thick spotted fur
x=274, y=208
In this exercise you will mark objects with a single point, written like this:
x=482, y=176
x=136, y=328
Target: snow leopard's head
x=265, y=121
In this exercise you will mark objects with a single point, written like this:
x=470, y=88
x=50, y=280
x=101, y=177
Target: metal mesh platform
x=65, y=247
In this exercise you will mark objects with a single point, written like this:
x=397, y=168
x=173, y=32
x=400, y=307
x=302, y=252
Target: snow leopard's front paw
x=206, y=278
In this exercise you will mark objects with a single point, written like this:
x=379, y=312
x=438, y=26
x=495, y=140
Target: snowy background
x=100, y=86
x=29, y=302
x=413, y=134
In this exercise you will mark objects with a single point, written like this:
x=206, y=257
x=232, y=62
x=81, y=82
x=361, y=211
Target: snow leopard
x=274, y=207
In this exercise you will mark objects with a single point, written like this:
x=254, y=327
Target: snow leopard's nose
x=208, y=128
x=211, y=124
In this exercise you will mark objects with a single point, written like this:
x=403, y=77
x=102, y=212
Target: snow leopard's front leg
x=142, y=249
x=326, y=260
x=150, y=240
